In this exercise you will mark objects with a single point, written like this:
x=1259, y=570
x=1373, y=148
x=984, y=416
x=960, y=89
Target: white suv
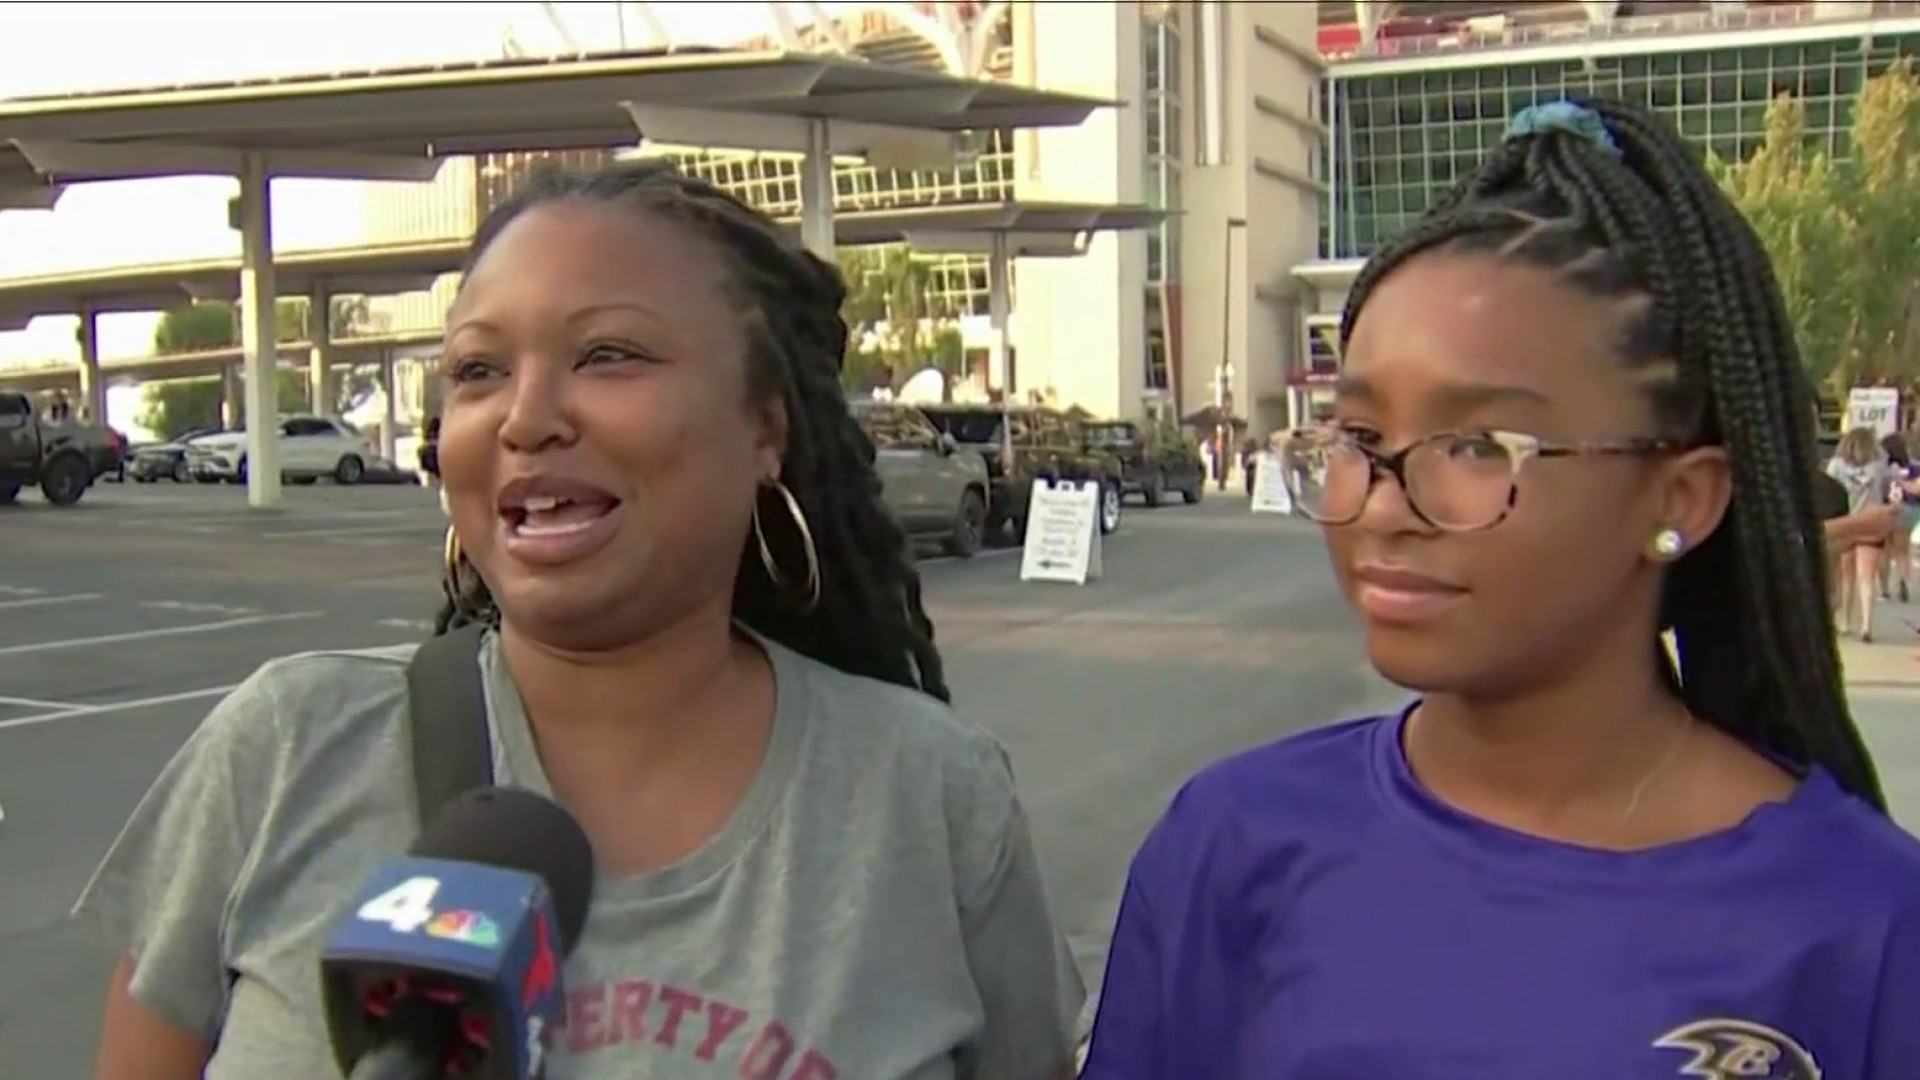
x=310, y=447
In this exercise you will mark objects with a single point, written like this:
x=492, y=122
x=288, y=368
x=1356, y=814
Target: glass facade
x=772, y=183
x=1400, y=140
x=1165, y=120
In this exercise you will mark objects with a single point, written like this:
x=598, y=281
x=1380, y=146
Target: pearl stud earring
x=1668, y=543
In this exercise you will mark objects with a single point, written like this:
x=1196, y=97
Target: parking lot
x=124, y=618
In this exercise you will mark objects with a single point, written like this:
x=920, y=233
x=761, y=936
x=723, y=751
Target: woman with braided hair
x=699, y=632
x=1570, y=418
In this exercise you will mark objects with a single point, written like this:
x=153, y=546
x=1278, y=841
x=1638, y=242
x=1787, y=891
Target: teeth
x=564, y=528
x=540, y=504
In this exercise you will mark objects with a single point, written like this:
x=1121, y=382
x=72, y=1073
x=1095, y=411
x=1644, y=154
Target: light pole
x=1223, y=377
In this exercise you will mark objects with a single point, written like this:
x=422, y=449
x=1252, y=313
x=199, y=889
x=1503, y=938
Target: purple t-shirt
x=1307, y=911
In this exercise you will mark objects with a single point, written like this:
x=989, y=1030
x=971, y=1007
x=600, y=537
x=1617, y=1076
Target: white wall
x=1081, y=331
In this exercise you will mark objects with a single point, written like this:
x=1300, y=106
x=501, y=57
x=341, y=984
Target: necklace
x=1674, y=747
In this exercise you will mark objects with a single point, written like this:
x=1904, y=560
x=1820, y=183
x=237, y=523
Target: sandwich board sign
x=1063, y=533
x=1876, y=407
x=1270, y=494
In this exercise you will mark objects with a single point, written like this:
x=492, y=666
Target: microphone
x=448, y=962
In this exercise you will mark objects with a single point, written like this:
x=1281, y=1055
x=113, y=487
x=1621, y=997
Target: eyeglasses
x=1458, y=481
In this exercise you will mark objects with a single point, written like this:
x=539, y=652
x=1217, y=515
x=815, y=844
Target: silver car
x=934, y=490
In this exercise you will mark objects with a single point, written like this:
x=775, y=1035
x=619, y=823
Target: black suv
x=1153, y=464
x=1046, y=444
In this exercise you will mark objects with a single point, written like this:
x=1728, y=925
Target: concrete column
x=389, y=406
x=255, y=221
x=93, y=392
x=320, y=396
x=816, y=191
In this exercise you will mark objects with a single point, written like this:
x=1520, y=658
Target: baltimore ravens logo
x=1739, y=1050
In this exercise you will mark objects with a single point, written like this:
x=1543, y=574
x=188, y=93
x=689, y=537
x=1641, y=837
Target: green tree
x=1880, y=186
x=174, y=406
x=890, y=300
x=1844, y=235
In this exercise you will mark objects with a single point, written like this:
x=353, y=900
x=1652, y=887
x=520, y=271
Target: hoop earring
x=450, y=570
x=800, y=525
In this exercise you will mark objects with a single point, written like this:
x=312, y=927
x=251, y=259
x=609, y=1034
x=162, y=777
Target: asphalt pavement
x=124, y=618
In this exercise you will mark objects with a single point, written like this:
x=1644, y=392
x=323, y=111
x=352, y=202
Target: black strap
x=447, y=716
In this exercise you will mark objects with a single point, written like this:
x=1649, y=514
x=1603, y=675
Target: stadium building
x=1417, y=92
x=1219, y=124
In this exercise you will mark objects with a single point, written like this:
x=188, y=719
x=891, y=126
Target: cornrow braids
x=1625, y=210
x=869, y=619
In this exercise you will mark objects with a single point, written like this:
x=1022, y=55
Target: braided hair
x=869, y=619
x=1619, y=206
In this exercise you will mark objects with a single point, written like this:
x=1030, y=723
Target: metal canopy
x=291, y=354
x=375, y=271
x=1035, y=228
x=361, y=124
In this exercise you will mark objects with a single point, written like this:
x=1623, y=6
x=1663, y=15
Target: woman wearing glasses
x=1571, y=417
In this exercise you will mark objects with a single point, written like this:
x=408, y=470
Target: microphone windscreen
x=519, y=830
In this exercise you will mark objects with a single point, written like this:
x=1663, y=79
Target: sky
x=51, y=48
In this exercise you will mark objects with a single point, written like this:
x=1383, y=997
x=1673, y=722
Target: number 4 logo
x=405, y=908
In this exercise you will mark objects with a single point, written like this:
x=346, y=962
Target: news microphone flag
x=477, y=938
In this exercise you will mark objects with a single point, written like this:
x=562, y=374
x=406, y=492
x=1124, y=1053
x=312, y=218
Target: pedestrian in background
x=1860, y=467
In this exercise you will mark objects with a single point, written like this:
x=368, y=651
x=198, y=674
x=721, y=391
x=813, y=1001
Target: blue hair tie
x=1567, y=116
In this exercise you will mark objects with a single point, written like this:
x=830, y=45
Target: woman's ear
x=1695, y=489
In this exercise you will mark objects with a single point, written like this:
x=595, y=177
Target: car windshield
x=967, y=427
x=1112, y=435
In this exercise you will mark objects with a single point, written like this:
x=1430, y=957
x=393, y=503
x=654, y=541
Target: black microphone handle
x=396, y=1061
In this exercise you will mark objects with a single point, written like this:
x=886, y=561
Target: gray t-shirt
x=872, y=910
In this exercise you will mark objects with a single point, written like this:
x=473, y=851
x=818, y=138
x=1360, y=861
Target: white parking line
x=15, y=590
x=37, y=703
x=113, y=706
x=165, y=631
x=359, y=530
x=191, y=608
x=36, y=601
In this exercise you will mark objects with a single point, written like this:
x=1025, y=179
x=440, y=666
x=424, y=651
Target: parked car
x=1152, y=464
x=63, y=458
x=932, y=488
x=311, y=447
x=165, y=460
x=1046, y=444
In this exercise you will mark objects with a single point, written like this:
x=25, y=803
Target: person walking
x=1860, y=467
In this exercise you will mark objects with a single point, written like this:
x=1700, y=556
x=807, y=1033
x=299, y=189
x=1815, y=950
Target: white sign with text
x=1270, y=494
x=1876, y=407
x=1063, y=533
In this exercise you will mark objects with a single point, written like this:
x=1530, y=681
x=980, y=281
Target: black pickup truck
x=1154, y=464
x=62, y=458
x=1046, y=444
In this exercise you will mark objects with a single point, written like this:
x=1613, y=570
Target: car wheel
x=1192, y=492
x=969, y=526
x=9, y=492
x=64, y=480
x=181, y=473
x=1150, y=492
x=1109, y=506
x=350, y=470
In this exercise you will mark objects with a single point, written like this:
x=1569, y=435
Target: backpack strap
x=447, y=719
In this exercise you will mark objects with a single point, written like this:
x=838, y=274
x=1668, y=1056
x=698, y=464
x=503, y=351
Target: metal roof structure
x=396, y=124
x=1031, y=229
x=374, y=271
x=292, y=354
x=1034, y=227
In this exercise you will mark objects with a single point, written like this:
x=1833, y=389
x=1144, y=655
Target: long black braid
x=1622, y=207
x=869, y=619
